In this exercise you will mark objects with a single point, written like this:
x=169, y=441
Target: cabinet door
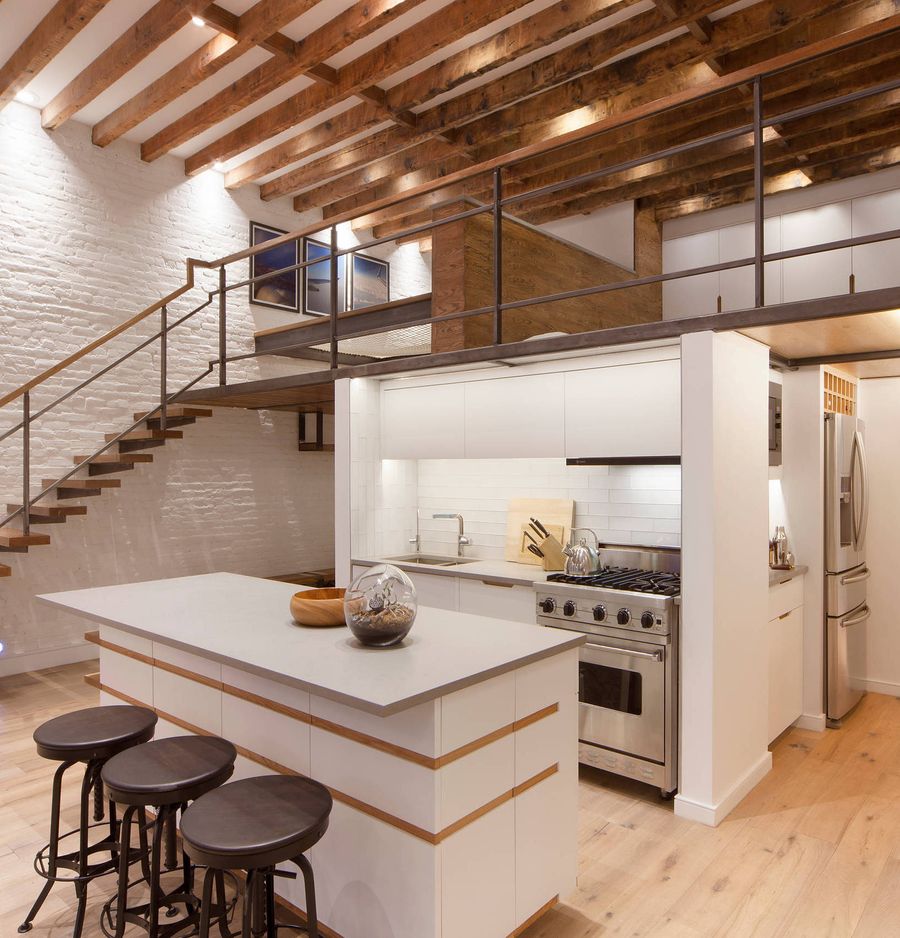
x=498, y=600
x=738, y=286
x=690, y=296
x=785, y=641
x=625, y=410
x=876, y=266
x=515, y=417
x=423, y=422
x=823, y=274
x=433, y=590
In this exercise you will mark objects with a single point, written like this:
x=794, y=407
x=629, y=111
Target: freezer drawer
x=846, y=661
x=846, y=591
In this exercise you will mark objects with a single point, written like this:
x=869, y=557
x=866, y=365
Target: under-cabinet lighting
x=198, y=21
x=219, y=166
x=26, y=96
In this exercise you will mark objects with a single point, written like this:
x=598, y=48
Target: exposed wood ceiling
x=340, y=104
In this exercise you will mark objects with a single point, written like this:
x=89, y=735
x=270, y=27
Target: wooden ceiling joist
x=159, y=23
x=450, y=23
x=60, y=26
x=257, y=26
x=353, y=24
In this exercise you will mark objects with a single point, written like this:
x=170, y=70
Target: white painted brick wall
x=88, y=237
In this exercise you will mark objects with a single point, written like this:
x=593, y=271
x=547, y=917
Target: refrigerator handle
x=860, y=482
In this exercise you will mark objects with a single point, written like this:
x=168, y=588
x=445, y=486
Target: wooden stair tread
x=4, y=570
x=148, y=435
x=14, y=537
x=85, y=483
x=114, y=458
x=176, y=410
x=52, y=511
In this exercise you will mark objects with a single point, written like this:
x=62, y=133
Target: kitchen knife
x=535, y=551
x=530, y=538
x=541, y=529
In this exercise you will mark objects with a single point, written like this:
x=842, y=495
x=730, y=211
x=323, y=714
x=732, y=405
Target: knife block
x=554, y=558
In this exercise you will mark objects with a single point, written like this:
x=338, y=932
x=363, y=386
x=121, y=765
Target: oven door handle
x=650, y=655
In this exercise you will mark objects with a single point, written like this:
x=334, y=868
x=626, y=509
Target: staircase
x=122, y=457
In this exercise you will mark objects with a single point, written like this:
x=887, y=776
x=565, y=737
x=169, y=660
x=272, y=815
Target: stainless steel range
x=628, y=682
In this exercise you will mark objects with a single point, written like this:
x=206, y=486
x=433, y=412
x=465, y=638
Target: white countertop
x=507, y=571
x=245, y=622
x=777, y=577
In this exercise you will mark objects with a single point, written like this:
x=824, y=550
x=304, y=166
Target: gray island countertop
x=245, y=622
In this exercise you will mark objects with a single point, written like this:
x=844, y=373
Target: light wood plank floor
x=813, y=851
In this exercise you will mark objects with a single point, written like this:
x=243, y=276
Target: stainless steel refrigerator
x=846, y=573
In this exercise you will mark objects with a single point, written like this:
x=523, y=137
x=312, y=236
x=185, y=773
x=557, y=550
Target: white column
x=724, y=684
x=342, y=456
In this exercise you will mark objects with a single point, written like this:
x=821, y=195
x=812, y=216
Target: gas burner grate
x=625, y=578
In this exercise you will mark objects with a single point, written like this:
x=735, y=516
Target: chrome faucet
x=461, y=539
x=416, y=541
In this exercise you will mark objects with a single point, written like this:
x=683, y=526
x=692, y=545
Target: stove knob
x=647, y=620
x=623, y=617
x=569, y=608
x=599, y=613
x=548, y=605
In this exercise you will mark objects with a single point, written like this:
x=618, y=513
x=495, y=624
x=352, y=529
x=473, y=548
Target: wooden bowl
x=320, y=607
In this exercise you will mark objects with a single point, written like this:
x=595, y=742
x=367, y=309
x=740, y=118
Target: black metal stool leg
x=159, y=830
x=309, y=882
x=26, y=925
x=271, y=925
x=247, y=910
x=206, y=904
x=124, y=846
x=223, y=905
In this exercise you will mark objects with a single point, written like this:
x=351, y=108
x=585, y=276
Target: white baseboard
x=713, y=814
x=815, y=721
x=890, y=688
x=35, y=661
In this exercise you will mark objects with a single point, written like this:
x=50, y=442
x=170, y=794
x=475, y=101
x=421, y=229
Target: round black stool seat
x=169, y=771
x=94, y=733
x=256, y=822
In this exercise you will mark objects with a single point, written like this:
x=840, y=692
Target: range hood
x=624, y=461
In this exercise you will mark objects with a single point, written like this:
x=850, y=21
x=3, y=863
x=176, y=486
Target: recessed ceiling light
x=198, y=21
x=26, y=96
x=219, y=166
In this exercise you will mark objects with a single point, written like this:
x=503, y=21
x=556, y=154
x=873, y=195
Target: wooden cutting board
x=556, y=514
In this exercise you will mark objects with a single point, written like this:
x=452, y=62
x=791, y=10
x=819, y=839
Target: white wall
x=623, y=504
x=608, y=232
x=880, y=409
x=88, y=237
x=724, y=683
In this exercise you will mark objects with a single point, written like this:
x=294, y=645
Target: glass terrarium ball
x=380, y=606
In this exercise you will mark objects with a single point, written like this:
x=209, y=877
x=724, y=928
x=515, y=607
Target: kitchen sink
x=431, y=560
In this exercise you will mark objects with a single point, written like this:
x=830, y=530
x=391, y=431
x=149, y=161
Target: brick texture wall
x=88, y=237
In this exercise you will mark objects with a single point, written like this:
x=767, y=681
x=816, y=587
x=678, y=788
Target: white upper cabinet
x=690, y=296
x=423, y=422
x=816, y=275
x=627, y=410
x=876, y=266
x=516, y=416
x=738, y=286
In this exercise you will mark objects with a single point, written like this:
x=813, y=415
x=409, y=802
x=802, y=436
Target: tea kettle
x=582, y=560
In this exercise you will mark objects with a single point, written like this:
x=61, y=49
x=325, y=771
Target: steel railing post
x=222, y=350
x=26, y=462
x=334, y=297
x=498, y=256
x=163, y=364
x=759, y=179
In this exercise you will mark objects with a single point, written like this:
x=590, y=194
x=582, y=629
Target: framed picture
x=317, y=280
x=283, y=290
x=370, y=281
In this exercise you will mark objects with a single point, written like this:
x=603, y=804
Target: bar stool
x=164, y=775
x=91, y=736
x=252, y=825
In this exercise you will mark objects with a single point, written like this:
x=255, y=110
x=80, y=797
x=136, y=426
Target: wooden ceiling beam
x=349, y=26
x=438, y=79
x=238, y=34
x=450, y=23
x=159, y=23
x=56, y=30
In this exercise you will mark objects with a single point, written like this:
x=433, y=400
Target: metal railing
x=496, y=209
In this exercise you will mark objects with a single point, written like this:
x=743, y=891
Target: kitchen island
x=452, y=758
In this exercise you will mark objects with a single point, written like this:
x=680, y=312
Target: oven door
x=622, y=697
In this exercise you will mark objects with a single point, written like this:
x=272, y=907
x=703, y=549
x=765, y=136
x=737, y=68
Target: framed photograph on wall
x=317, y=280
x=370, y=281
x=283, y=290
